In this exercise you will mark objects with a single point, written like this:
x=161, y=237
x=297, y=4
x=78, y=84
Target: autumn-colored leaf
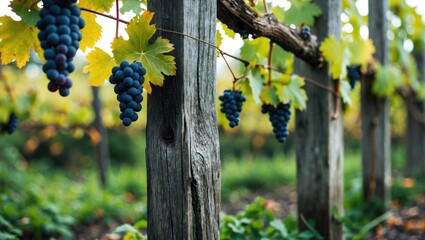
x=17, y=38
x=361, y=51
x=100, y=6
x=91, y=32
x=337, y=54
x=152, y=55
x=100, y=65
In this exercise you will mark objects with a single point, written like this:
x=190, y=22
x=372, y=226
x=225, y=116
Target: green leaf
x=337, y=54
x=302, y=12
x=269, y=95
x=257, y=49
x=17, y=38
x=387, y=79
x=345, y=90
x=280, y=227
x=99, y=6
x=229, y=32
x=100, y=66
x=132, y=6
x=290, y=90
x=151, y=55
x=91, y=32
x=27, y=10
x=125, y=228
x=255, y=82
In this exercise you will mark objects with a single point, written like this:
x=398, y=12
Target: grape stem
x=244, y=61
x=270, y=60
x=118, y=18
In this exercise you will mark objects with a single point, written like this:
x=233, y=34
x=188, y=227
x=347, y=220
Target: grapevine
x=305, y=33
x=59, y=36
x=231, y=105
x=279, y=116
x=128, y=80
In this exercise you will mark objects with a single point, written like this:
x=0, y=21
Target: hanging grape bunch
x=231, y=105
x=128, y=80
x=11, y=125
x=279, y=116
x=305, y=33
x=60, y=37
x=353, y=75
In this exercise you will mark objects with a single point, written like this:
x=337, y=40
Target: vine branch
x=244, y=61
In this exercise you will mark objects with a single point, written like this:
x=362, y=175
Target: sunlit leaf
x=17, y=38
x=361, y=51
x=91, y=32
x=100, y=5
x=387, y=79
x=290, y=89
x=152, y=55
x=132, y=6
x=337, y=54
x=100, y=65
x=302, y=12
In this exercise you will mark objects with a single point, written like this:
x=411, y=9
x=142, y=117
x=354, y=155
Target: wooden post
x=183, y=166
x=319, y=137
x=415, y=130
x=102, y=149
x=375, y=115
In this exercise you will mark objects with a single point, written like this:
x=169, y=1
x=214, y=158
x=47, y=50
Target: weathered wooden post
x=375, y=115
x=319, y=138
x=182, y=136
x=415, y=129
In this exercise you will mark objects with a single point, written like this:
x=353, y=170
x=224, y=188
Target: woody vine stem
x=222, y=53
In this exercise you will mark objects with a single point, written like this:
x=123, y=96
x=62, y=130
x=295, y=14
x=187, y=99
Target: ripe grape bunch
x=128, y=79
x=60, y=36
x=354, y=74
x=305, y=33
x=231, y=105
x=279, y=116
x=11, y=125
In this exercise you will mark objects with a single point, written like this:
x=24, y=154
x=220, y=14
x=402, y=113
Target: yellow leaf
x=337, y=54
x=17, y=38
x=361, y=51
x=100, y=66
x=98, y=5
x=91, y=32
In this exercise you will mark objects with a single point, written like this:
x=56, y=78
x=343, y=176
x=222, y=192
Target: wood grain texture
x=415, y=132
x=319, y=139
x=375, y=115
x=182, y=136
x=242, y=19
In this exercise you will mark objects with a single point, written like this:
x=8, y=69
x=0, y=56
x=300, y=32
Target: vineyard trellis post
x=415, y=129
x=183, y=166
x=375, y=123
x=319, y=136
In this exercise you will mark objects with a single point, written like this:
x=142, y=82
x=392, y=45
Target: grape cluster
x=305, y=33
x=11, y=125
x=60, y=36
x=128, y=79
x=354, y=74
x=279, y=117
x=231, y=105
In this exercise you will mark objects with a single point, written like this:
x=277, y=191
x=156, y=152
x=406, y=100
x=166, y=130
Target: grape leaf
x=99, y=6
x=255, y=82
x=269, y=95
x=387, y=79
x=229, y=32
x=218, y=39
x=100, y=66
x=289, y=89
x=338, y=56
x=302, y=12
x=132, y=6
x=27, y=10
x=16, y=40
x=257, y=49
x=361, y=51
x=151, y=55
x=91, y=32
x=345, y=90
